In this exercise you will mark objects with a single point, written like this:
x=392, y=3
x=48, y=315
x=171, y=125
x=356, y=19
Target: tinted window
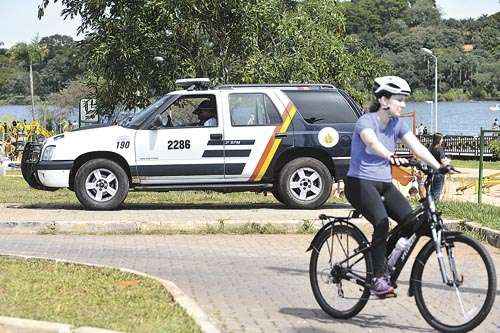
x=253, y=110
x=322, y=107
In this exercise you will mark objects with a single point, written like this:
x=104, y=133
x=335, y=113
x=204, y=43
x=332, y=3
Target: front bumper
x=30, y=164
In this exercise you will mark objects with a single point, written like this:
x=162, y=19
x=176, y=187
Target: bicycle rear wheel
x=335, y=286
x=462, y=305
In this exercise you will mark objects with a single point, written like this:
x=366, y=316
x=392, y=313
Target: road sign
x=88, y=111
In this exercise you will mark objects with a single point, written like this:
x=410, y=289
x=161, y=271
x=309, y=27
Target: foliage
x=495, y=148
x=56, y=61
x=70, y=96
x=347, y=43
x=231, y=41
x=467, y=50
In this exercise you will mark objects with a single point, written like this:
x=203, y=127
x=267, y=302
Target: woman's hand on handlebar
x=399, y=161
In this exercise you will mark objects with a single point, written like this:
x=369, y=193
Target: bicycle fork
x=455, y=281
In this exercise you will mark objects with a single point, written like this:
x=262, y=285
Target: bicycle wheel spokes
x=460, y=301
x=337, y=283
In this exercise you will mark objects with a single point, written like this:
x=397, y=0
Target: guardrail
x=458, y=145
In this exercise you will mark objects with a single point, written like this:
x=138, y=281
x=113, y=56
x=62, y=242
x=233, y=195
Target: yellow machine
x=488, y=183
x=14, y=139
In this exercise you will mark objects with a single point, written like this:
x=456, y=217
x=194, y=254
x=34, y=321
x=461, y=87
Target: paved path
x=253, y=283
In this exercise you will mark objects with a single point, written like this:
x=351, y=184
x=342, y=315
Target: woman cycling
x=368, y=186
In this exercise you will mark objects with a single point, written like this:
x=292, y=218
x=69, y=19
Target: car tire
x=305, y=183
x=101, y=184
x=276, y=193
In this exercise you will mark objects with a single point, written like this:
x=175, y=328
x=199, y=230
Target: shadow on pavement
x=287, y=270
x=361, y=320
x=167, y=206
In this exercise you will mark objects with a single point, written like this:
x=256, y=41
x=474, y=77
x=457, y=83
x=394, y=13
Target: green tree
x=229, y=41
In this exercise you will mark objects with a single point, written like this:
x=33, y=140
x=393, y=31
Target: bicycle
x=347, y=280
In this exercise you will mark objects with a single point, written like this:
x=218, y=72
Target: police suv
x=291, y=140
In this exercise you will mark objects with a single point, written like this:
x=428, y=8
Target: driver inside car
x=207, y=114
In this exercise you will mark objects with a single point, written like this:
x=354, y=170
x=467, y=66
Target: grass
x=87, y=296
x=15, y=190
x=486, y=215
x=473, y=164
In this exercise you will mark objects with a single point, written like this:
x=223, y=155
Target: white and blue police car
x=289, y=139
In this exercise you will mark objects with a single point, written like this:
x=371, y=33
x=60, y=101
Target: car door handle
x=280, y=135
x=216, y=136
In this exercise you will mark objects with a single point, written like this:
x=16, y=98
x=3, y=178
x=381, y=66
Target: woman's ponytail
x=374, y=106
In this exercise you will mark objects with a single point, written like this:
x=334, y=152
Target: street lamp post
x=429, y=52
x=31, y=87
x=431, y=103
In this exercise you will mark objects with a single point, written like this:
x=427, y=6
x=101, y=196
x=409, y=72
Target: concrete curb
x=116, y=227
x=19, y=325
x=491, y=236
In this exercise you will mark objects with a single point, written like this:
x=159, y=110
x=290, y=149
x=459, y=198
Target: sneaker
x=387, y=277
x=381, y=288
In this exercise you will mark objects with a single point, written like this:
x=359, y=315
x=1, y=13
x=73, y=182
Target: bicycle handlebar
x=427, y=169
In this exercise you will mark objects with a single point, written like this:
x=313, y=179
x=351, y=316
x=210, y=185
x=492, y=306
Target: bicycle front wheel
x=335, y=285
x=464, y=302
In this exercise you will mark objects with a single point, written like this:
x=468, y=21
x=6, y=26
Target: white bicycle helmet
x=392, y=85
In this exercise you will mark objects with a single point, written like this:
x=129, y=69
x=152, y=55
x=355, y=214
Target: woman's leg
x=437, y=186
x=365, y=198
x=397, y=207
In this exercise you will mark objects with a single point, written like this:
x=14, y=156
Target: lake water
x=21, y=112
x=457, y=118
x=454, y=118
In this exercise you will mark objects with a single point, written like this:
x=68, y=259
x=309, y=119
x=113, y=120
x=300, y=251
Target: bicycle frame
x=433, y=220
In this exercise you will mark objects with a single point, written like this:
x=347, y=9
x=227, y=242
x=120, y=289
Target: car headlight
x=48, y=152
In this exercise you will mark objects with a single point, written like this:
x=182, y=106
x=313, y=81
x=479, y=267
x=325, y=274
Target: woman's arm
x=370, y=139
x=418, y=149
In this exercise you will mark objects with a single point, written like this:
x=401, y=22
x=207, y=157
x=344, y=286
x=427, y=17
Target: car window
x=141, y=116
x=191, y=111
x=253, y=109
x=321, y=107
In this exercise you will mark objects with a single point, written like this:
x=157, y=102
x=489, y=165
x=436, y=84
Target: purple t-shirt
x=365, y=163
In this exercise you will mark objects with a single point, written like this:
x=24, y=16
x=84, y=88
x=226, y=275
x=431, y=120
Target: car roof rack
x=199, y=83
x=278, y=85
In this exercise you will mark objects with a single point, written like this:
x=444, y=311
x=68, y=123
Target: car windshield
x=140, y=117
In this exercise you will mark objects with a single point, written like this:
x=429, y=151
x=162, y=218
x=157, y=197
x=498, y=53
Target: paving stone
x=246, y=283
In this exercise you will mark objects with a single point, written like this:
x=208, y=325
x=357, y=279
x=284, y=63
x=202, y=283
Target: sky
x=19, y=22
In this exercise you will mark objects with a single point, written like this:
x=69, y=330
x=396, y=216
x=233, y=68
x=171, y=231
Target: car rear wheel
x=101, y=184
x=305, y=183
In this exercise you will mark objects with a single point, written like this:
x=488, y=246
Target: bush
x=495, y=148
x=421, y=95
x=454, y=94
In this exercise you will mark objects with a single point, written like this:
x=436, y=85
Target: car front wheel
x=101, y=184
x=305, y=183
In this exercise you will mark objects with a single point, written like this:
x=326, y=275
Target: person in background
x=437, y=151
x=420, y=129
x=495, y=125
x=424, y=131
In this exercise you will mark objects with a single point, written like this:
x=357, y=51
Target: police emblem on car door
x=174, y=148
